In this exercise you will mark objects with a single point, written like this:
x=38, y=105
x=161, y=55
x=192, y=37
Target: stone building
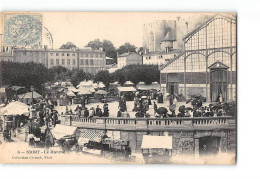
x=128, y=59
x=92, y=61
x=88, y=60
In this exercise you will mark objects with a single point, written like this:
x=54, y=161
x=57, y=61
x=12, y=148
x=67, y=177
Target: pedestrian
x=98, y=111
x=106, y=110
x=155, y=107
x=91, y=112
x=86, y=112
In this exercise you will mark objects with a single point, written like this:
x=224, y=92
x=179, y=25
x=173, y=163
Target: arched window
x=195, y=63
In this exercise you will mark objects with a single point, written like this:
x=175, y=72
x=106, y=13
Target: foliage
x=68, y=45
x=24, y=74
x=103, y=76
x=107, y=46
x=125, y=48
x=136, y=74
x=34, y=74
x=78, y=75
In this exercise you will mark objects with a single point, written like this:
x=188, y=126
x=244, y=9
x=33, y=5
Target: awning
x=29, y=95
x=15, y=108
x=16, y=88
x=156, y=142
x=61, y=131
x=101, y=92
x=91, y=135
x=122, y=89
x=148, y=87
x=101, y=85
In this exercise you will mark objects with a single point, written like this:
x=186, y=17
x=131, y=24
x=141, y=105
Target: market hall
x=207, y=65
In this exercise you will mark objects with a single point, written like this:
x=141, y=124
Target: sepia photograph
x=118, y=87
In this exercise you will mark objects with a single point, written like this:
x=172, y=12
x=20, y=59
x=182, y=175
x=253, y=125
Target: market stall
x=127, y=92
x=156, y=149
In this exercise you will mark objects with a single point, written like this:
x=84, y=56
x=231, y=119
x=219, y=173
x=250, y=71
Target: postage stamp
x=22, y=29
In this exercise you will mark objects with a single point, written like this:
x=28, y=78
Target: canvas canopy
x=15, y=108
x=156, y=142
x=128, y=83
x=29, y=95
x=61, y=131
x=148, y=87
x=125, y=89
x=101, y=85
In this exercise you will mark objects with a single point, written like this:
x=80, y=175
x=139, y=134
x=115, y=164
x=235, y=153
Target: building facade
x=92, y=61
x=168, y=51
x=207, y=66
x=63, y=57
x=159, y=58
x=88, y=60
x=129, y=59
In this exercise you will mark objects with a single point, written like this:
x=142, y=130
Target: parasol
x=182, y=109
x=162, y=110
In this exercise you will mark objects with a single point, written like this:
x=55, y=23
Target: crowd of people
x=81, y=111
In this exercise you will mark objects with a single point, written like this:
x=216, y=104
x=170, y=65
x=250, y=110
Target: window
x=51, y=54
x=100, y=55
x=74, y=61
x=57, y=54
x=96, y=55
x=68, y=61
x=63, y=61
x=81, y=62
x=68, y=54
x=62, y=54
x=91, y=55
x=86, y=55
x=81, y=54
x=86, y=61
x=57, y=62
x=91, y=62
x=73, y=54
x=51, y=61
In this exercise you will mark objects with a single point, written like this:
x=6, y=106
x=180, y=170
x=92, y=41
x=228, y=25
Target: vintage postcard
x=118, y=87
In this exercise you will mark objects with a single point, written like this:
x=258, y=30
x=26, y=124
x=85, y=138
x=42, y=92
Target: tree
x=78, y=75
x=103, y=76
x=24, y=74
x=95, y=44
x=127, y=47
x=68, y=45
x=136, y=74
x=107, y=46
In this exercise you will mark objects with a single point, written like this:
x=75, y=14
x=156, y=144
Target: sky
x=82, y=27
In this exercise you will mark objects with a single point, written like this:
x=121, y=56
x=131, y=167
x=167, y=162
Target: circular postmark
x=23, y=30
x=47, y=38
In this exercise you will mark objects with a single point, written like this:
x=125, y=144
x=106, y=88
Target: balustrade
x=152, y=123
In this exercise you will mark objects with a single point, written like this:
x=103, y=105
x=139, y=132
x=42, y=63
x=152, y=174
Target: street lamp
x=32, y=89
